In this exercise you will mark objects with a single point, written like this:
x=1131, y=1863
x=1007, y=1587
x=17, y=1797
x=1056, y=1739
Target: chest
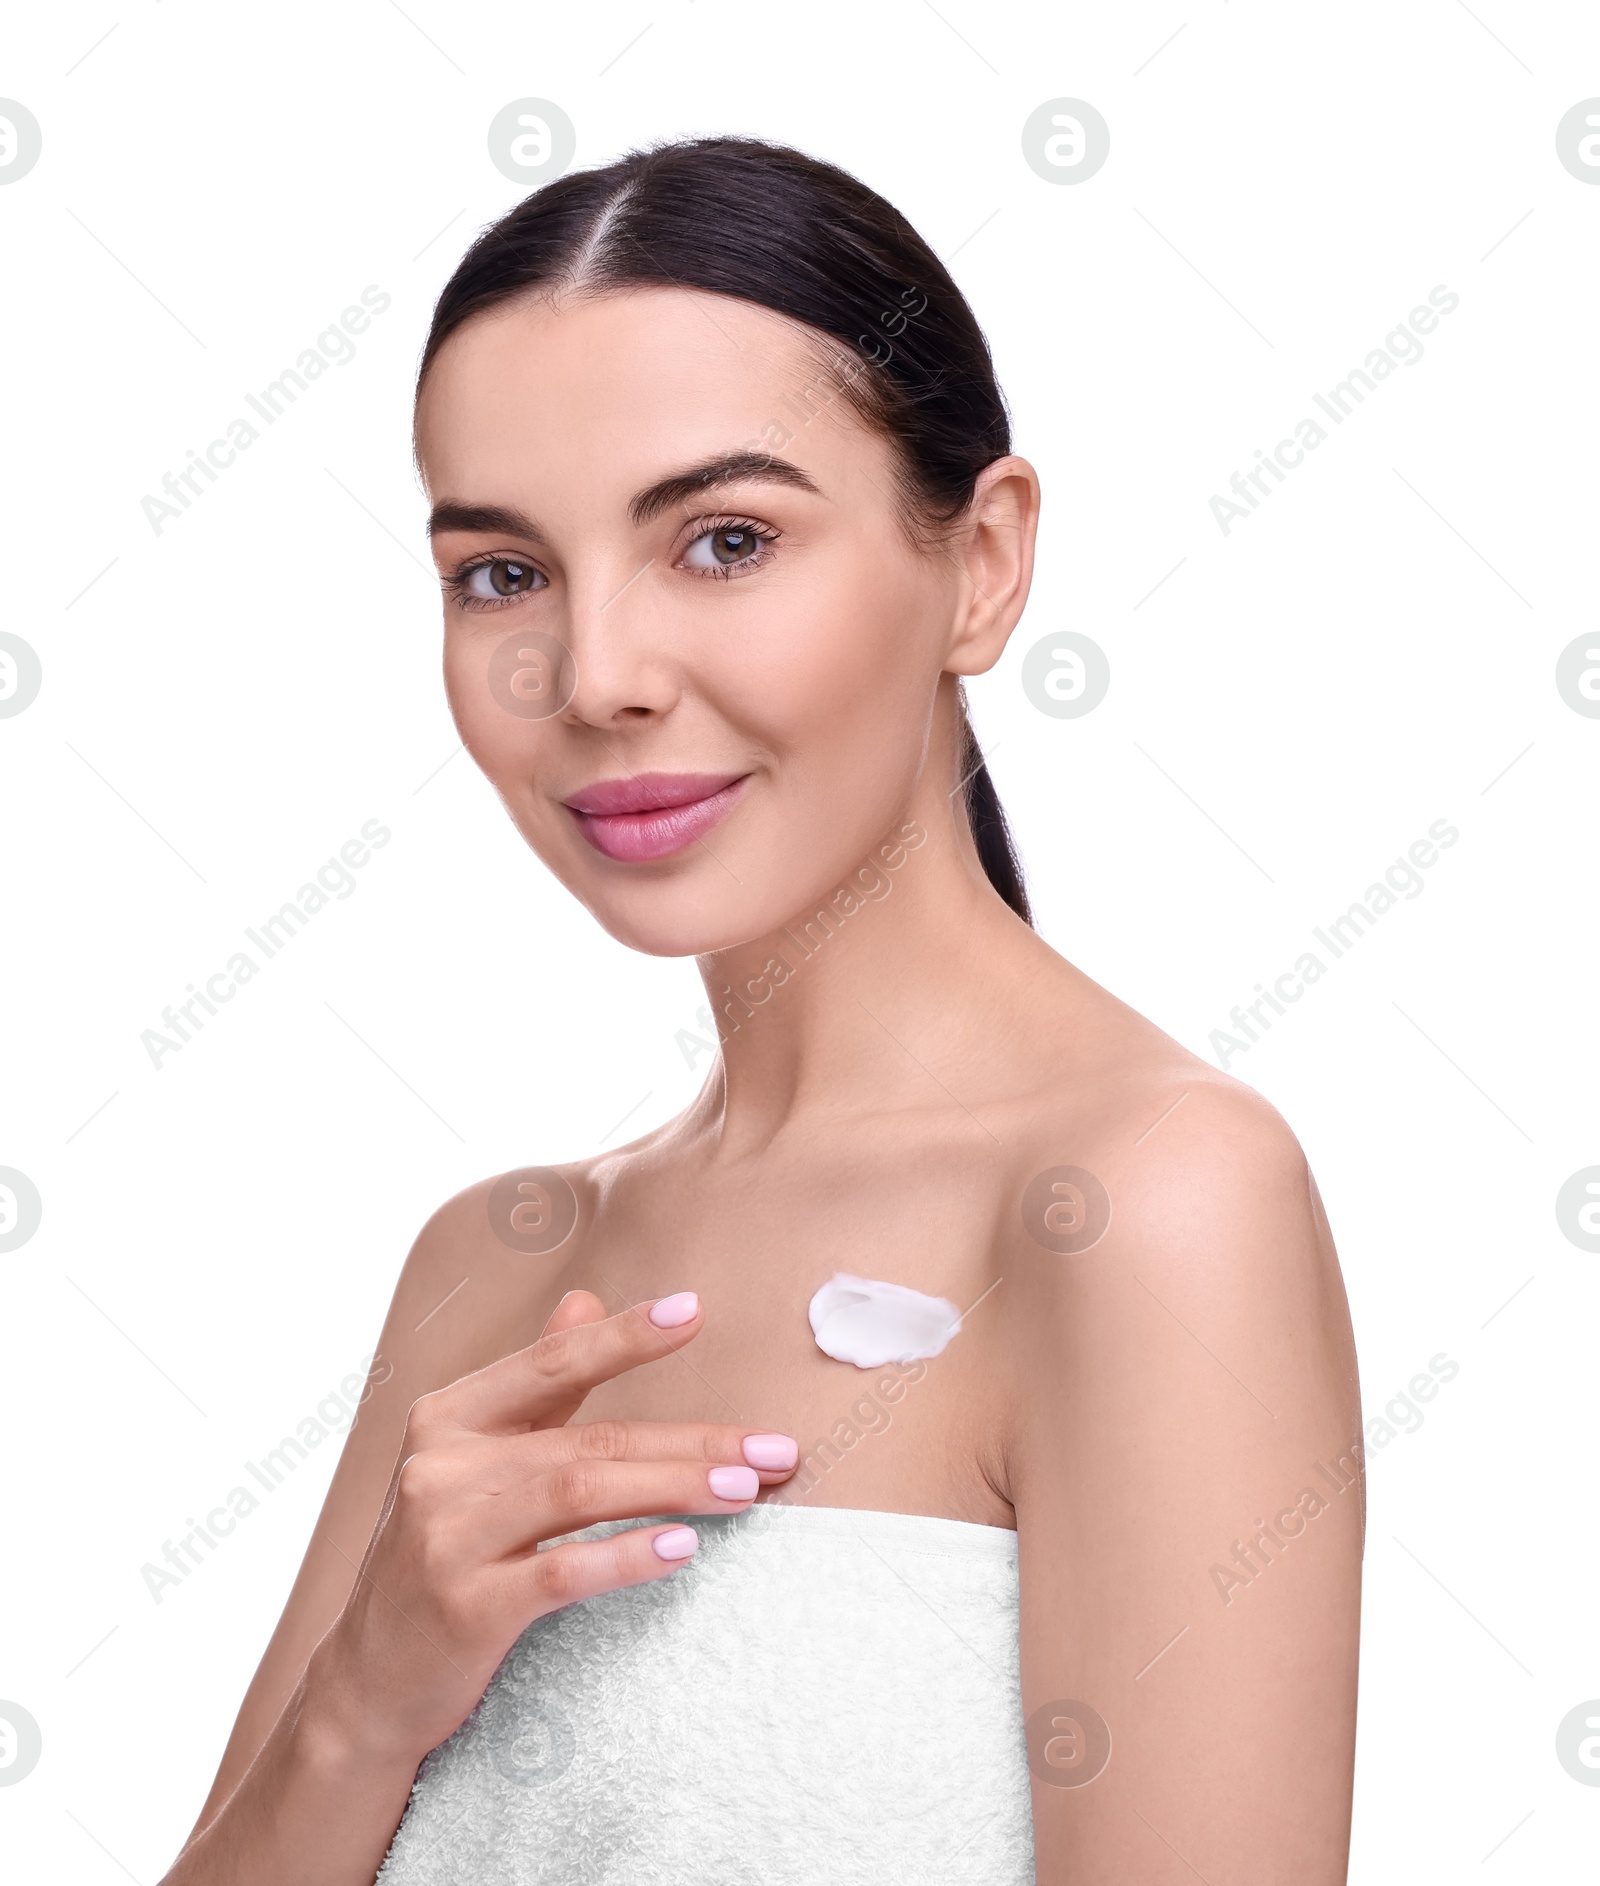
x=922, y=1436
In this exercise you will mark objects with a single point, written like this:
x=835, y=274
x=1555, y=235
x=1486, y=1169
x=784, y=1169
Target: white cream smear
x=857, y=1320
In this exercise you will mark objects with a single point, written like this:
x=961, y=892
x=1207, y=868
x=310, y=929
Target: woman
x=725, y=507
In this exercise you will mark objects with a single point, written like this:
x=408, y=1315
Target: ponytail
x=990, y=832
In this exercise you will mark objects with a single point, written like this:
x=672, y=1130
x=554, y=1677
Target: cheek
x=466, y=686
x=504, y=744
x=840, y=665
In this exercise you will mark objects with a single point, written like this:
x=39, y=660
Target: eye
x=728, y=549
x=496, y=580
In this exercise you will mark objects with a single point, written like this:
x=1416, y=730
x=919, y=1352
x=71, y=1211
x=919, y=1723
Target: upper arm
x=422, y=1347
x=1189, y=1540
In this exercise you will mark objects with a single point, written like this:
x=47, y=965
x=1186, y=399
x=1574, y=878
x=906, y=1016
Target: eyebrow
x=725, y=468
x=491, y=519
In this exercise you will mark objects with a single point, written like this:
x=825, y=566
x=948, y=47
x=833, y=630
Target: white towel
x=820, y=1697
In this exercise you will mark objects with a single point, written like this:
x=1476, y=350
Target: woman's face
x=704, y=691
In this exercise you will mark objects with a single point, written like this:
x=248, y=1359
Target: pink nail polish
x=672, y=1312
x=769, y=1450
x=734, y=1483
x=677, y=1542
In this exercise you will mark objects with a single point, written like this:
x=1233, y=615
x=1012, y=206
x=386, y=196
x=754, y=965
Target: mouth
x=653, y=815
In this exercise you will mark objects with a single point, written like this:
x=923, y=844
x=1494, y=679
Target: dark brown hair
x=767, y=224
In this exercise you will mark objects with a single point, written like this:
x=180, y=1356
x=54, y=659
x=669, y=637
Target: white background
x=225, y=703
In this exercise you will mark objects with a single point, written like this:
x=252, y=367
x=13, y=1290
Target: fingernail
x=734, y=1483
x=769, y=1450
x=677, y=1542
x=670, y=1312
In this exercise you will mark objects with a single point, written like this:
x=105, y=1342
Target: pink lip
x=653, y=815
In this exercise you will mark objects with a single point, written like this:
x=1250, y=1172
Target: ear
x=993, y=548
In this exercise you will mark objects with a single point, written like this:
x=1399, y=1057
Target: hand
x=488, y=1469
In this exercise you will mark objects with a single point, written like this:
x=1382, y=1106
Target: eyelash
x=764, y=535
x=456, y=583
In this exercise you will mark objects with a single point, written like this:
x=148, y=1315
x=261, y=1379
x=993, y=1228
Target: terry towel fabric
x=820, y=1697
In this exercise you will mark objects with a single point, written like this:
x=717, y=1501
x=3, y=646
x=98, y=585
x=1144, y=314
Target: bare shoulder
x=486, y=1269
x=1166, y=1234
x=492, y=1262
x=1178, y=1157
x=1198, y=1170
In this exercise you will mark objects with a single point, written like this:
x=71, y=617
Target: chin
x=681, y=919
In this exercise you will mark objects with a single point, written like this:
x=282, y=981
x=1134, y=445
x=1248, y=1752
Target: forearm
x=319, y=1806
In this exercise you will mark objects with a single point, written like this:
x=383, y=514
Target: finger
x=545, y=1384
x=565, y=1574
x=577, y=1306
x=587, y=1492
x=500, y=1462
x=773, y=1455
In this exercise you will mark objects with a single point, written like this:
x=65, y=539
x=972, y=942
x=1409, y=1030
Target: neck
x=865, y=999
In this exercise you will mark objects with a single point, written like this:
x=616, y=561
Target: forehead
x=616, y=387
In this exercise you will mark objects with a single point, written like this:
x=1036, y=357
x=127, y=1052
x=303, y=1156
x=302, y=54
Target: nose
x=624, y=670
